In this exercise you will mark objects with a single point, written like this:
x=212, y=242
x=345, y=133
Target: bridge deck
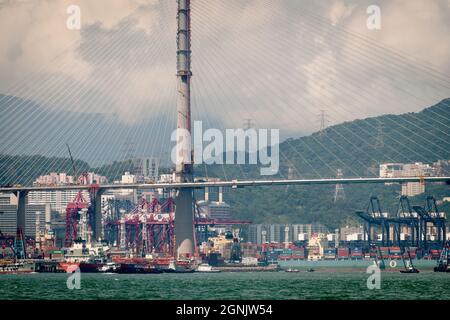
x=232, y=184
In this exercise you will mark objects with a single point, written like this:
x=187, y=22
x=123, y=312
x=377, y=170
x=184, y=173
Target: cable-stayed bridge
x=262, y=94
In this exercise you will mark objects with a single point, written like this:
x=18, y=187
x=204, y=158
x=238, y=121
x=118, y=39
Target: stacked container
x=343, y=253
x=395, y=253
x=298, y=254
x=329, y=254
x=356, y=253
x=384, y=252
x=435, y=254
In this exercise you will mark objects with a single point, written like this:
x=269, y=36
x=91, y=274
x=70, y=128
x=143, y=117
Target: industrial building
x=36, y=216
x=264, y=233
x=351, y=233
x=214, y=210
x=211, y=209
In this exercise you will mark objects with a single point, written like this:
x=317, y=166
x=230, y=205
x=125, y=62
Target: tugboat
x=109, y=267
x=409, y=268
x=444, y=260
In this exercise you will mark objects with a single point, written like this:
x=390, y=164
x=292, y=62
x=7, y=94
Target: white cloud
x=247, y=55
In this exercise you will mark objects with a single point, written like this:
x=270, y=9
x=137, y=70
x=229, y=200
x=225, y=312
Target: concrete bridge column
x=20, y=246
x=96, y=200
x=184, y=223
x=21, y=203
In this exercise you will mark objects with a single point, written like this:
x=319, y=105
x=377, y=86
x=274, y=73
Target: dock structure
x=416, y=219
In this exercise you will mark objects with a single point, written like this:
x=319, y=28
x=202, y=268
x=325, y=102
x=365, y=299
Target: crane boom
x=73, y=162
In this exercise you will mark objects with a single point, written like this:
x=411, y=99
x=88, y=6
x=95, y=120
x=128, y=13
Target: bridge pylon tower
x=339, y=193
x=184, y=201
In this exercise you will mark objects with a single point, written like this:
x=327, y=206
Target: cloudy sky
x=277, y=62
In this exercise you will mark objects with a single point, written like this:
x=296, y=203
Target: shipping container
x=343, y=253
x=395, y=250
x=356, y=254
x=272, y=257
x=56, y=251
x=435, y=253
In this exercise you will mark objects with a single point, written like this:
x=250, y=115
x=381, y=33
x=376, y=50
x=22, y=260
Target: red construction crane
x=72, y=212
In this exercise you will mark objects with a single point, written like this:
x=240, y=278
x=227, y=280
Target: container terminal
x=142, y=240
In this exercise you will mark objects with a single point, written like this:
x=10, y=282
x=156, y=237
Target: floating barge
x=244, y=268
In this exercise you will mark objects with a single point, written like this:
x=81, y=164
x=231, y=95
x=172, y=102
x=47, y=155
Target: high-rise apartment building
x=399, y=170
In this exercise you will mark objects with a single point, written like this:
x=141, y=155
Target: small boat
x=109, y=267
x=410, y=270
x=311, y=270
x=247, y=268
x=292, y=270
x=204, y=267
x=442, y=268
x=443, y=264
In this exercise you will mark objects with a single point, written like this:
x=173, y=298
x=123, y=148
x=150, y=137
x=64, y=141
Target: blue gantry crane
x=416, y=219
x=374, y=216
x=430, y=214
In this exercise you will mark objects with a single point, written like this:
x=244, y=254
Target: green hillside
x=356, y=147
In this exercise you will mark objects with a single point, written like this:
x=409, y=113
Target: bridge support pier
x=184, y=222
x=20, y=245
x=96, y=221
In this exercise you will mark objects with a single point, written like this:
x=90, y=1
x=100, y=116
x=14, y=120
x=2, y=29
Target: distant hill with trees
x=356, y=147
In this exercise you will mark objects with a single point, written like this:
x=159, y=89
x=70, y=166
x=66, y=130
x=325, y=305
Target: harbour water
x=349, y=284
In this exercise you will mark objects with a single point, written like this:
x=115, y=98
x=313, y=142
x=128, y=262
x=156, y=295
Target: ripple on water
x=275, y=285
